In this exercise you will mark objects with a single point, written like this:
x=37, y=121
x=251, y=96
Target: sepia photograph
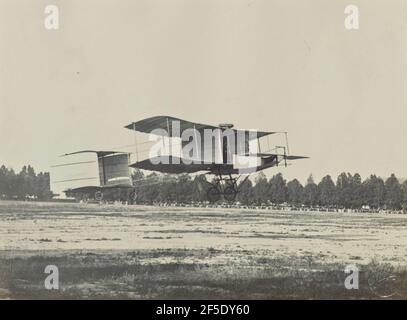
x=174, y=150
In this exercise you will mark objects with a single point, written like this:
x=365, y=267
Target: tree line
x=25, y=184
x=348, y=191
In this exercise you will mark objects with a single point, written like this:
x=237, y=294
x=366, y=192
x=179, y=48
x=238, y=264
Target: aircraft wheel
x=230, y=194
x=213, y=194
x=98, y=195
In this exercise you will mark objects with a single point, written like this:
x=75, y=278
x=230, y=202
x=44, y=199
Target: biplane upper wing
x=166, y=122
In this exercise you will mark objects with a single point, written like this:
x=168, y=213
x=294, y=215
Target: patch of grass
x=131, y=275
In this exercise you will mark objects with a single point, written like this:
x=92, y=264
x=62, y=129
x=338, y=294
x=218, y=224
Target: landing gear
x=223, y=186
x=213, y=194
x=230, y=193
x=98, y=195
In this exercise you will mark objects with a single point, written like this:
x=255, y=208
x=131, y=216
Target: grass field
x=141, y=252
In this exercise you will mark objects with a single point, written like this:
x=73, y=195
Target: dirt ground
x=143, y=252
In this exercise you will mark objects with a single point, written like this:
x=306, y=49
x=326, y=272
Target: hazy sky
x=271, y=65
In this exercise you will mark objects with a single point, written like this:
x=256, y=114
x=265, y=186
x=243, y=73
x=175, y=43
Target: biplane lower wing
x=87, y=189
x=267, y=155
x=93, y=189
x=170, y=164
x=124, y=192
x=177, y=165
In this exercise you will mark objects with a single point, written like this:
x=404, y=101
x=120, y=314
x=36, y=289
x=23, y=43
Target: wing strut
x=169, y=135
x=286, y=142
x=135, y=140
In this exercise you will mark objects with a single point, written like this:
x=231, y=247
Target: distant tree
x=24, y=184
x=310, y=192
x=344, y=190
x=261, y=190
x=393, y=193
x=168, y=188
x=246, y=192
x=183, y=188
x=374, y=191
x=140, y=185
x=3, y=181
x=21, y=187
x=404, y=192
x=200, y=188
x=356, y=196
x=295, y=192
x=327, y=191
x=147, y=190
x=30, y=181
x=12, y=184
x=42, y=186
x=278, y=189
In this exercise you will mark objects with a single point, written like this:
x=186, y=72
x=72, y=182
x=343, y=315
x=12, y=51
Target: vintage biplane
x=215, y=150
x=114, y=177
